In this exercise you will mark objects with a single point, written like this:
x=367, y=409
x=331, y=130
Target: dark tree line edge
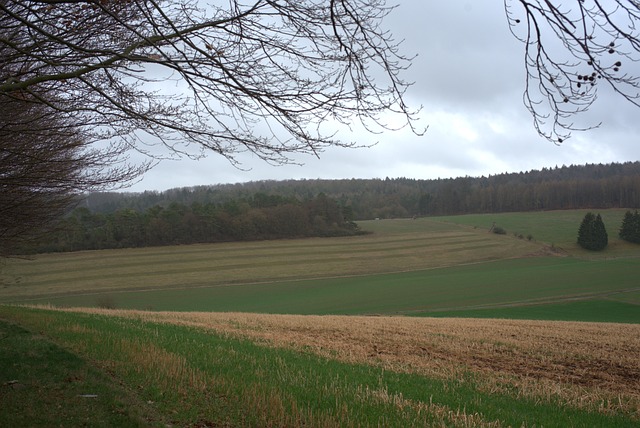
x=258, y=218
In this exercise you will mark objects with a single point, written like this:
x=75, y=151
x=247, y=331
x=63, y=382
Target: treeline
x=254, y=218
x=568, y=187
x=303, y=208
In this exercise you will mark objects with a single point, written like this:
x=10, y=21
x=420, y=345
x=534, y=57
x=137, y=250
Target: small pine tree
x=600, y=234
x=592, y=234
x=630, y=229
x=585, y=232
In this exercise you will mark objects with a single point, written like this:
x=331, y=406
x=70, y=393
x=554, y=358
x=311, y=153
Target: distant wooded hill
x=568, y=187
x=304, y=208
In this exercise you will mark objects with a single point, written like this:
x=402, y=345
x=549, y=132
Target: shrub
x=499, y=230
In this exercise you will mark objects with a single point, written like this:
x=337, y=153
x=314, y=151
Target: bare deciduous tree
x=262, y=76
x=265, y=75
x=45, y=162
x=571, y=50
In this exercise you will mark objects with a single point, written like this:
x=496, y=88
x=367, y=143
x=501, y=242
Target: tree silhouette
x=630, y=228
x=45, y=162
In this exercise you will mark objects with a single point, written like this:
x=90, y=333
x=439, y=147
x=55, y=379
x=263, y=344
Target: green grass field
x=43, y=384
x=586, y=310
x=518, y=282
x=559, y=228
x=431, y=266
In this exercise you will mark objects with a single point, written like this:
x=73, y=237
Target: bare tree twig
x=261, y=76
x=570, y=52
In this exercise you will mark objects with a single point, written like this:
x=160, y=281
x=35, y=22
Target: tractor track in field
x=533, y=302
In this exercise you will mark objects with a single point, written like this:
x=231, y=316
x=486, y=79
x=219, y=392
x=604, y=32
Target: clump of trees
x=498, y=230
x=592, y=234
x=630, y=229
x=258, y=217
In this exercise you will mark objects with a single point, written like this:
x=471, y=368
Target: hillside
x=432, y=266
x=567, y=187
x=271, y=365
x=321, y=208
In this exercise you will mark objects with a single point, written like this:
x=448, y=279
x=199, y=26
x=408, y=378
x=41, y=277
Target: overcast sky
x=469, y=78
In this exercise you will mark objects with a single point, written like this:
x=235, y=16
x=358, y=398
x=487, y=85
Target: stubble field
x=230, y=369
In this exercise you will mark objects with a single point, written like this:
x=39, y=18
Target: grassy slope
x=194, y=377
x=425, y=244
x=559, y=228
x=42, y=384
x=508, y=282
x=587, y=310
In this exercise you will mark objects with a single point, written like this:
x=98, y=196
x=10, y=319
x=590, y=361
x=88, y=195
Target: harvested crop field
x=590, y=366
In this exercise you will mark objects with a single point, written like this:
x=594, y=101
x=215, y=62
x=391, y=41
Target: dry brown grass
x=594, y=366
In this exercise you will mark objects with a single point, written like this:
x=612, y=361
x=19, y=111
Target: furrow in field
x=221, y=252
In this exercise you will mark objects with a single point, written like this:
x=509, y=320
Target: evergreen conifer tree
x=601, y=238
x=630, y=229
x=592, y=234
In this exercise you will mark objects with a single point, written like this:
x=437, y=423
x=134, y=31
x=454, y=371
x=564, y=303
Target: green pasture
x=45, y=385
x=181, y=376
x=429, y=266
x=499, y=285
x=419, y=245
x=590, y=310
x=558, y=228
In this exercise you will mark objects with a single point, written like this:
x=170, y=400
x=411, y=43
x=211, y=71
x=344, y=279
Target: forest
x=303, y=208
x=243, y=219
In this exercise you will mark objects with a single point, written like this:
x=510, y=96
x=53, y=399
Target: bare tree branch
x=571, y=50
x=263, y=76
x=45, y=164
